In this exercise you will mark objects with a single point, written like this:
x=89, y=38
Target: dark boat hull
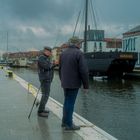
x=110, y=63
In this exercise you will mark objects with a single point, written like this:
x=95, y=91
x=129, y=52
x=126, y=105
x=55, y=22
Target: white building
x=131, y=42
x=96, y=42
x=107, y=45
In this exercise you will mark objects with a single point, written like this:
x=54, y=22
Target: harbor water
x=114, y=106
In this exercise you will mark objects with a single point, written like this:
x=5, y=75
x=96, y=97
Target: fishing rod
x=34, y=103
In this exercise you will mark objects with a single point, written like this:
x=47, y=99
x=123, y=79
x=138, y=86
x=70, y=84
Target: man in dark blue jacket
x=45, y=72
x=73, y=72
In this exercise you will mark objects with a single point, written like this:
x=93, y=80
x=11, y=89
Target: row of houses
x=29, y=59
x=21, y=59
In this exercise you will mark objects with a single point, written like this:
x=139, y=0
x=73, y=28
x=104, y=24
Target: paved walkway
x=15, y=105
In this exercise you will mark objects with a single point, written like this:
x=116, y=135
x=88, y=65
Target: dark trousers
x=45, y=89
x=68, y=107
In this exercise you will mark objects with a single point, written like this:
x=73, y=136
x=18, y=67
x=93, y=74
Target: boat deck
x=15, y=105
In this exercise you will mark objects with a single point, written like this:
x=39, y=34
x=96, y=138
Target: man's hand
x=55, y=62
x=85, y=91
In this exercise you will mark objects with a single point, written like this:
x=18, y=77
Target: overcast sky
x=32, y=24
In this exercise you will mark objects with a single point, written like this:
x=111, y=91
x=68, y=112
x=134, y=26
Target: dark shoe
x=73, y=127
x=43, y=114
x=37, y=103
x=46, y=111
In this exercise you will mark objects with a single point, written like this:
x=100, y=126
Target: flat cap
x=47, y=48
x=74, y=40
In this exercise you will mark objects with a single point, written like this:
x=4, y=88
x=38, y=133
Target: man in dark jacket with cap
x=45, y=72
x=73, y=72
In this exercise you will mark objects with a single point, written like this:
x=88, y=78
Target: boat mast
x=7, y=41
x=7, y=48
x=86, y=20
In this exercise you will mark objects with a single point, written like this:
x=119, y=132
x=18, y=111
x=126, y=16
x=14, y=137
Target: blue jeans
x=68, y=107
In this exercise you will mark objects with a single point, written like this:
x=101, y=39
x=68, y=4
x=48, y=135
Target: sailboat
x=102, y=62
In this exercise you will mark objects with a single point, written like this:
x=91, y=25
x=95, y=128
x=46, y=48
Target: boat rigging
x=100, y=59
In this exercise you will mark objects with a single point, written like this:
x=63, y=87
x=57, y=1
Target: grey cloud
x=39, y=9
x=27, y=9
x=118, y=11
x=52, y=15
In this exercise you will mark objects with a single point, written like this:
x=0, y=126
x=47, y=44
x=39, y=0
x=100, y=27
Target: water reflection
x=84, y=105
x=116, y=88
x=111, y=105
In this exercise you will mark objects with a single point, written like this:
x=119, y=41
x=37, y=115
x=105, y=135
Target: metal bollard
x=1, y=67
x=10, y=74
x=28, y=88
